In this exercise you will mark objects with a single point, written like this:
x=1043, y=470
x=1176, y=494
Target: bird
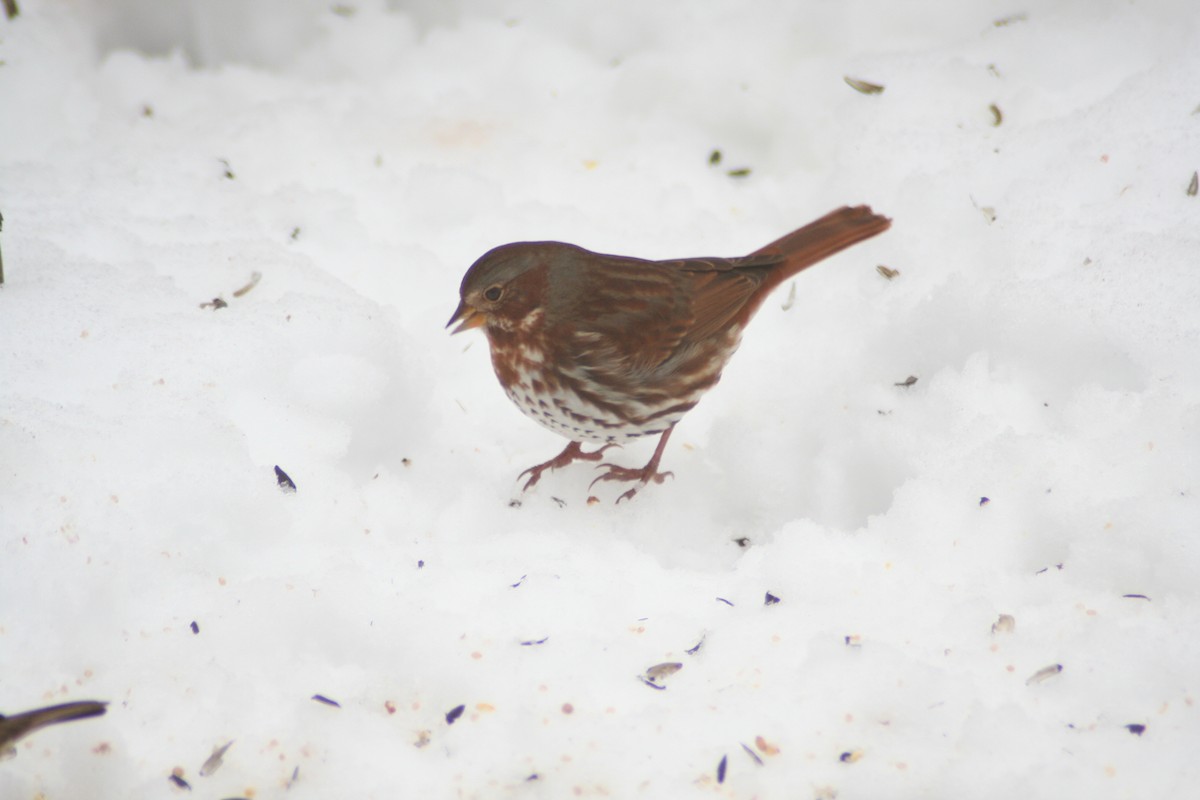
x=18, y=726
x=608, y=349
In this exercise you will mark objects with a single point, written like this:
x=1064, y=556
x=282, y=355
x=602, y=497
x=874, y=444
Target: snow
x=155, y=156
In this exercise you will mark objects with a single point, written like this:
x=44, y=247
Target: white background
x=1047, y=302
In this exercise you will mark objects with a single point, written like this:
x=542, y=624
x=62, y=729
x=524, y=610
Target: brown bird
x=20, y=725
x=607, y=348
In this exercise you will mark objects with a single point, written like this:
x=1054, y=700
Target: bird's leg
x=572, y=452
x=644, y=475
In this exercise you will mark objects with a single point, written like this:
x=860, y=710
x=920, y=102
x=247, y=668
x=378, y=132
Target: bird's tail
x=820, y=239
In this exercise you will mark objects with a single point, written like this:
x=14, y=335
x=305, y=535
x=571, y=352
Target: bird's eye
x=492, y=294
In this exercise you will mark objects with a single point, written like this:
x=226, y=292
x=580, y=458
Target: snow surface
x=155, y=155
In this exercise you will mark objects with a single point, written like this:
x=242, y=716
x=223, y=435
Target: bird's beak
x=467, y=316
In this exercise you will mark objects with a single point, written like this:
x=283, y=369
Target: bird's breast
x=568, y=403
x=584, y=403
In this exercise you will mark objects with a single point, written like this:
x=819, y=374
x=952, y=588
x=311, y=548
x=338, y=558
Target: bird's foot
x=642, y=477
x=573, y=452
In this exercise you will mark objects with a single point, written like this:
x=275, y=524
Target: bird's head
x=506, y=285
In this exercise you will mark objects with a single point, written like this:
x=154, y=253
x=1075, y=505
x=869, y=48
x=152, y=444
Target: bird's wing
x=627, y=318
x=719, y=288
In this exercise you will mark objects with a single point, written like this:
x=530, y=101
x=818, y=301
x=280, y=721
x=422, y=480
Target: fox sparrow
x=608, y=348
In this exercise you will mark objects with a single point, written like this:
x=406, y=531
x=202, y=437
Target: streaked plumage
x=608, y=348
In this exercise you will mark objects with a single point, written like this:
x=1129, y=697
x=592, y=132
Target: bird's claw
x=573, y=452
x=535, y=475
x=641, y=476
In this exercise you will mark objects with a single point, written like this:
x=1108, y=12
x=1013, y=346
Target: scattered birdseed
x=286, y=484
x=663, y=670
x=215, y=760
x=765, y=747
x=1010, y=19
x=1045, y=673
x=865, y=87
x=255, y=277
x=791, y=298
